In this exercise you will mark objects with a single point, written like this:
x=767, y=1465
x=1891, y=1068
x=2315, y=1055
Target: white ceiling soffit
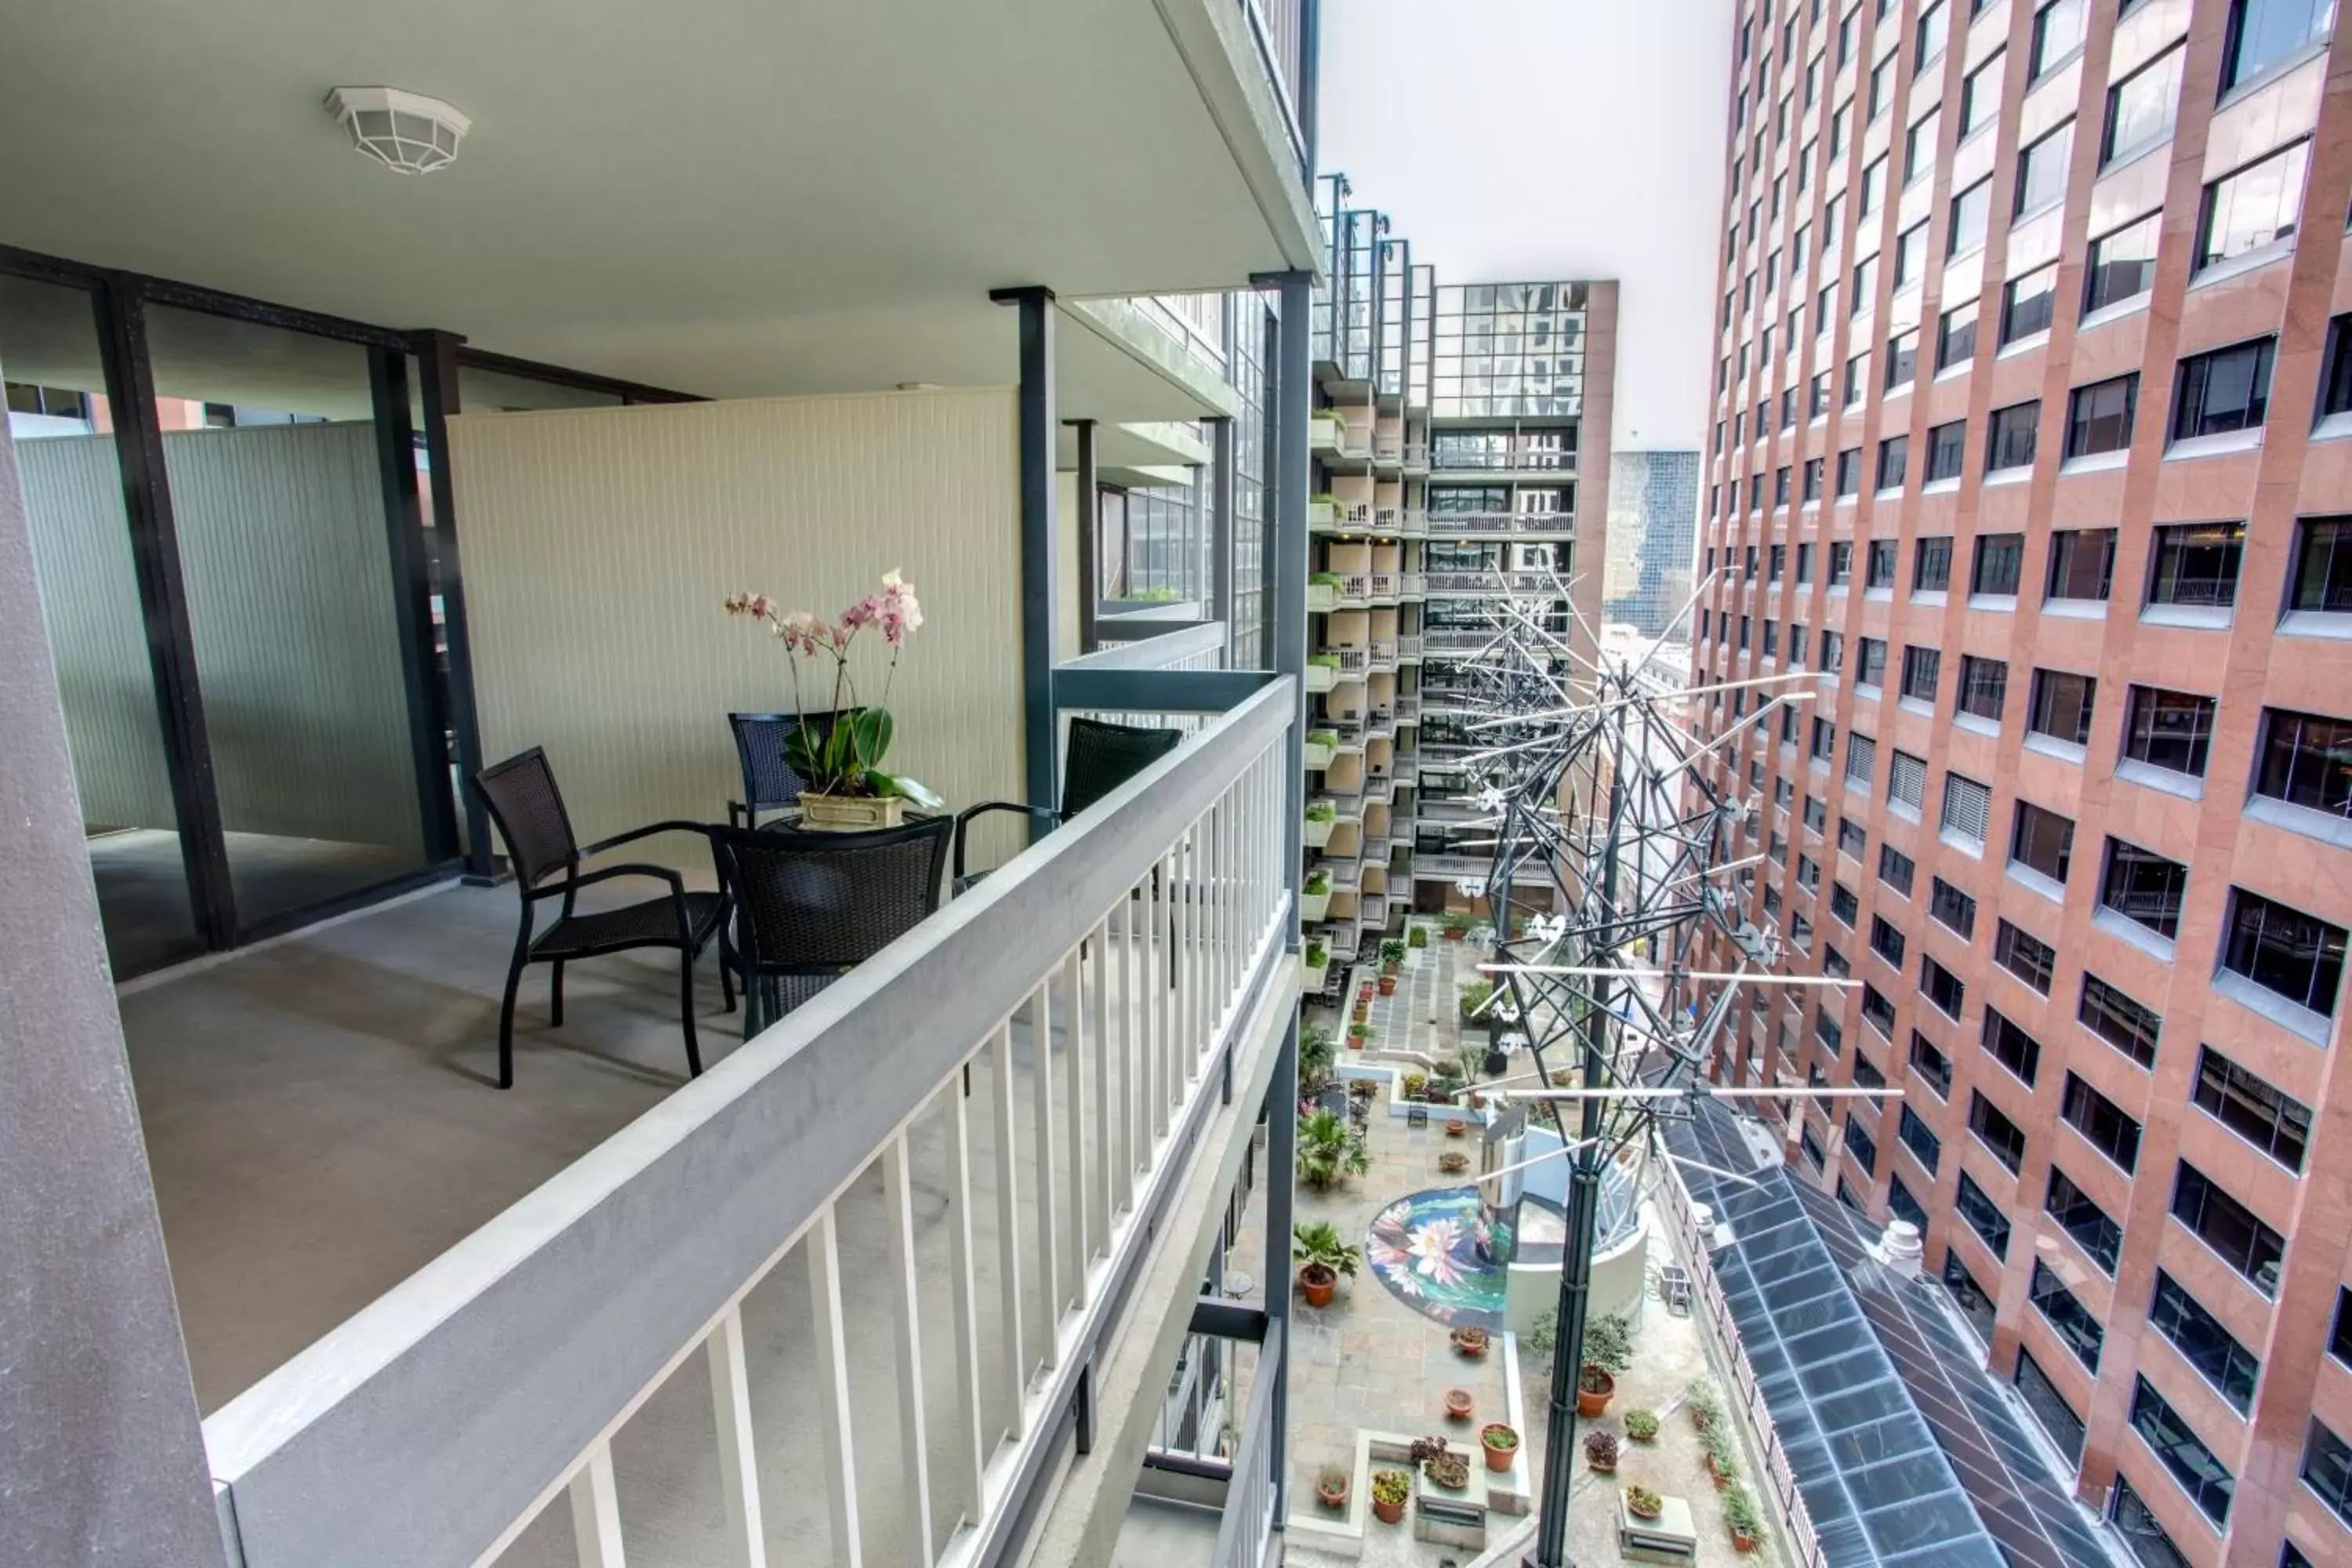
x=731, y=197
x=1150, y=445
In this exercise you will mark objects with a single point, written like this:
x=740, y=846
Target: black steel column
x=1221, y=542
x=412, y=584
x=1039, y=603
x=437, y=353
x=1583, y=1209
x=163, y=602
x=1089, y=534
x=1281, y=1165
x=1285, y=567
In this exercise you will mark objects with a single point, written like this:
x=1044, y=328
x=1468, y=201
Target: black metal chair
x=1099, y=757
x=523, y=800
x=769, y=783
x=809, y=907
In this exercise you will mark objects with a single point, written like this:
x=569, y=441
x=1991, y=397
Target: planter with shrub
x=1643, y=1503
x=1704, y=1405
x=1601, y=1451
x=1500, y=1442
x=1417, y=937
x=1454, y=927
x=1471, y=1342
x=1743, y=1518
x=1642, y=1425
x=1331, y=1488
x=1390, y=1491
x=1330, y=1150
x=1608, y=1354
x=1325, y=1257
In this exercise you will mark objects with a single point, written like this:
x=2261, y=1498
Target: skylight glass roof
x=1902, y=1447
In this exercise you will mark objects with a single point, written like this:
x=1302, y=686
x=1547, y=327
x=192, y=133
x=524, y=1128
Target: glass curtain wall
x=62, y=422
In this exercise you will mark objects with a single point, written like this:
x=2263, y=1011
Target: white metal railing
x=1248, y=1523
x=1355, y=588
x=1356, y=514
x=1409, y=643
x=1384, y=650
x=1383, y=584
x=1455, y=640
x=1093, y=989
x=1352, y=656
x=1154, y=645
x=1780, y=1481
x=1388, y=519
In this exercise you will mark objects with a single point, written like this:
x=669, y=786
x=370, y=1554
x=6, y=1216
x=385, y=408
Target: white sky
x=1544, y=139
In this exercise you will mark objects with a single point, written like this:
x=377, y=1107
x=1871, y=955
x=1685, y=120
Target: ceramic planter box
x=1315, y=833
x=1312, y=907
x=1321, y=678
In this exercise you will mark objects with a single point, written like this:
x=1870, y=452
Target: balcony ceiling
x=729, y=198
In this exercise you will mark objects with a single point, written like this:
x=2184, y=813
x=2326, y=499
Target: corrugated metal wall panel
x=599, y=543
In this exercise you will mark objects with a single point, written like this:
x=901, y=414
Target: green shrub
x=1320, y=1243
x=1317, y=884
x=1475, y=996
x=1609, y=1344
x=1741, y=1514
x=1642, y=1425
x=1418, y=937
x=1321, y=810
x=1318, y=955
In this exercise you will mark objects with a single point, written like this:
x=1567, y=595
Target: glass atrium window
x=2323, y=566
x=2204, y=1342
x=1893, y=455
x=2228, y=389
x=2141, y=106
x=2099, y=416
x=2197, y=563
x=2010, y=438
x=2057, y=33
x=1984, y=685
x=2170, y=729
x=2144, y=887
x=2123, y=264
x=2029, y=958
x=1931, y=567
x=2306, y=761
x=2101, y=1122
x=2041, y=171
x=2027, y=303
x=2100, y=1238
x=2192, y=1463
x=2123, y=1023
x=2042, y=841
x=2081, y=563
x=2229, y=1227
x=2000, y=557
x=2263, y=32
x=1980, y=95
x=2265, y=1116
x=2256, y=207
x=1955, y=336
x=2061, y=707
x=2294, y=955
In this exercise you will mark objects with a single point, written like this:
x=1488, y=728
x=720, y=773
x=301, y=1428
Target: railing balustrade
x=1092, y=993
x=1248, y=1523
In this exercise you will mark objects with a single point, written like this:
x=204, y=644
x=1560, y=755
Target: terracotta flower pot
x=1317, y=1282
x=1454, y=1164
x=1332, y=1495
x=1591, y=1404
x=1595, y=1466
x=1500, y=1455
x=1722, y=1481
x=1455, y=1127
x=1639, y=1512
x=1388, y=1512
x=1458, y=1404
x=1454, y=935
x=1744, y=1545
x=1388, y=984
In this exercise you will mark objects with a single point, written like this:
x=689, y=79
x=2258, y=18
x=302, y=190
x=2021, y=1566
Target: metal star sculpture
x=1613, y=853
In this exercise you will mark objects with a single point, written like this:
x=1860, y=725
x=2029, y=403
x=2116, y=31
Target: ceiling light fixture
x=408, y=132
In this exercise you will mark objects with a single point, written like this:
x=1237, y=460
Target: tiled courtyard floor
x=1370, y=1361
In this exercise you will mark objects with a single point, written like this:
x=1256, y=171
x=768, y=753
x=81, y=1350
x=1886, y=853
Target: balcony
x=1488, y=584
x=1408, y=644
x=1548, y=525
x=1325, y=433
x=1383, y=650
x=1387, y=448
x=1455, y=640
x=1381, y=587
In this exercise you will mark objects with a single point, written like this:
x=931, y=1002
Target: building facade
x=1653, y=542
x=1461, y=447
x=2060, y=782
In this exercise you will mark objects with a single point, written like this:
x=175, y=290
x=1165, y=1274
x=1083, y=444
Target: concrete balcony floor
x=321, y=1119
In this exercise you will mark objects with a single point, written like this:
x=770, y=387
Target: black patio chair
x=1100, y=756
x=769, y=783
x=523, y=800
x=810, y=907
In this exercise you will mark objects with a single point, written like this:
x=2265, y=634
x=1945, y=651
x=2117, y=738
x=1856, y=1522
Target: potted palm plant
x=1323, y=1257
x=845, y=790
x=1358, y=1033
x=1330, y=1150
x=1391, y=956
x=1317, y=1053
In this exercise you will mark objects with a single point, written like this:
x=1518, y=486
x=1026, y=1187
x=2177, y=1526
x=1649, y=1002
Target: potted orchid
x=846, y=789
